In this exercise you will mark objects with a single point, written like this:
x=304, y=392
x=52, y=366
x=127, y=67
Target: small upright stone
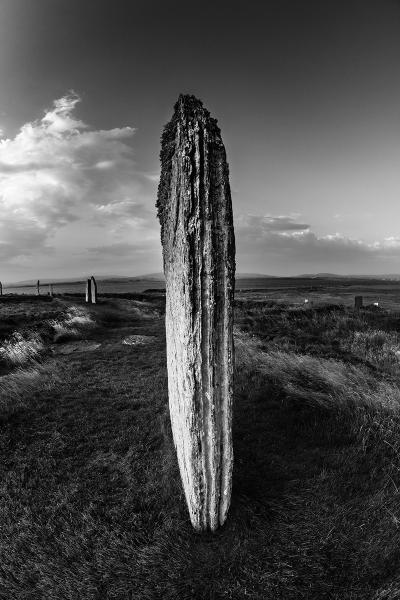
x=1, y=289
x=195, y=212
x=38, y=287
x=51, y=289
x=358, y=302
x=88, y=291
x=93, y=289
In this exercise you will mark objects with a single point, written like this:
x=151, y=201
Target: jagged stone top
x=187, y=110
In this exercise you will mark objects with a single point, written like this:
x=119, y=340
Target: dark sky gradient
x=307, y=94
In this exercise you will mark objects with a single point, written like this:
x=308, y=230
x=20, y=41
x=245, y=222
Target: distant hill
x=352, y=276
x=254, y=276
x=47, y=280
x=160, y=277
x=146, y=277
x=322, y=276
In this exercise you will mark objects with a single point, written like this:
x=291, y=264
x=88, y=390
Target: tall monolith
x=1, y=289
x=88, y=291
x=93, y=290
x=51, y=289
x=195, y=211
x=38, y=287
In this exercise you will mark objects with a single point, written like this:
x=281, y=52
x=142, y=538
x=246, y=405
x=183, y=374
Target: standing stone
x=195, y=212
x=93, y=289
x=88, y=292
x=1, y=289
x=38, y=287
x=51, y=289
x=358, y=302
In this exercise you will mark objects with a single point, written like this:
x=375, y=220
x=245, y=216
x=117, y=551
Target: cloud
x=60, y=120
x=125, y=208
x=120, y=249
x=261, y=225
x=291, y=246
x=154, y=177
x=57, y=171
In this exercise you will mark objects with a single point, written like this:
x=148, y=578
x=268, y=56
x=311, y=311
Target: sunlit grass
x=18, y=387
x=91, y=504
x=20, y=348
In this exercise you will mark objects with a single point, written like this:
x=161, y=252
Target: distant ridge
x=146, y=277
x=323, y=276
x=254, y=276
x=392, y=276
x=160, y=277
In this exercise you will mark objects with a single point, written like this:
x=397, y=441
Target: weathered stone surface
x=89, y=291
x=93, y=290
x=195, y=212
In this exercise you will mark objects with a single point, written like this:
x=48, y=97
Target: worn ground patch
x=137, y=340
x=78, y=346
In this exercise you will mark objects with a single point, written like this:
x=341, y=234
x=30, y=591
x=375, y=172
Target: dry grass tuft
x=20, y=349
x=70, y=325
x=328, y=383
x=17, y=388
x=382, y=348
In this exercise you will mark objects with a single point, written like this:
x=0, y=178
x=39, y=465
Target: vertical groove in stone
x=195, y=212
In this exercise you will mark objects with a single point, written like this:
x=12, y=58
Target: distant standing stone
x=89, y=291
x=93, y=290
x=358, y=302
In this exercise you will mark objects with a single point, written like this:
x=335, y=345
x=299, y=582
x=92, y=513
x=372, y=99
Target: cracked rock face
x=195, y=212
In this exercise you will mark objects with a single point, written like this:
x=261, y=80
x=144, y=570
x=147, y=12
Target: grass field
x=91, y=505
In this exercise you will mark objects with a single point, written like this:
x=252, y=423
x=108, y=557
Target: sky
x=307, y=95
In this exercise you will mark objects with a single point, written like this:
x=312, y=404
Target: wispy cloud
x=261, y=225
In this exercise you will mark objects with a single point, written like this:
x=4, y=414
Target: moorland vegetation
x=91, y=504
